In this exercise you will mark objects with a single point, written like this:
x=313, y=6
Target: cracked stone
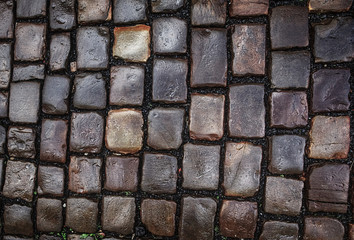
x=127, y=11
x=5, y=63
x=81, y=214
x=249, y=8
x=274, y=230
x=166, y=5
x=208, y=12
x=17, y=220
x=37, y=8
x=94, y=11
x=55, y=95
x=21, y=142
x=6, y=19
x=59, y=51
x=323, y=228
x=4, y=104
x=49, y=215
x=28, y=72
x=62, y=14
x=50, y=181
x=329, y=6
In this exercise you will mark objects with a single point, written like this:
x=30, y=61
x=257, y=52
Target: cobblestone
x=18, y=220
x=55, y=95
x=49, y=215
x=94, y=11
x=4, y=104
x=208, y=12
x=37, y=8
x=325, y=6
x=7, y=19
x=5, y=64
x=274, y=230
x=59, y=51
x=127, y=11
x=50, y=180
x=28, y=72
x=249, y=8
x=81, y=214
x=323, y=228
x=21, y=142
x=62, y=14
x=166, y=5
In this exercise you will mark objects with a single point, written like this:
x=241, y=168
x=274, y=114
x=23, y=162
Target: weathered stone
x=289, y=27
x=92, y=48
x=78, y=237
x=242, y=169
x=1, y=170
x=246, y=111
x=159, y=216
x=6, y=19
x=17, y=220
x=126, y=11
x=283, y=196
x=327, y=36
x=274, y=230
x=8, y=237
x=329, y=137
x=330, y=90
x=159, y=173
x=290, y=69
x=166, y=5
x=121, y=174
x=197, y=219
x=28, y=72
x=49, y=215
x=50, y=181
x=49, y=237
x=249, y=8
x=169, y=35
x=238, y=219
x=323, y=228
x=329, y=6
x=124, y=130
x=81, y=215
x=132, y=43
x=86, y=132
x=62, y=14
x=59, y=51
x=94, y=11
x=209, y=57
x=208, y=12
x=55, y=95
x=37, y=8
x=286, y=154
x=2, y=139
x=351, y=232
x=118, y=214
x=21, y=142
x=207, y=117
x=127, y=85
x=249, y=43
x=19, y=180
x=4, y=104
x=165, y=126
x=5, y=62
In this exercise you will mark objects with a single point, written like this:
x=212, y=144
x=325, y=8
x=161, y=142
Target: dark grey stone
x=55, y=95
x=6, y=19
x=17, y=220
x=50, y=180
x=4, y=103
x=35, y=8
x=21, y=142
x=166, y=5
x=59, y=51
x=28, y=72
x=274, y=230
x=126, y=11
x=5, y=63
x=208, y=12
x=2, y=140
x=62, y=14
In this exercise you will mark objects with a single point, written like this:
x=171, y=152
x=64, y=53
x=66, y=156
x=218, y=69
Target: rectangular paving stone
x=59, y=51
x=2, y=140
x=49, y=215
x=209, y=57
x=94, y=11
x=323, y=228
x=6, y=19
x=17, y=220
x=81, y=214
x=28, y=72
x=242, y=169
x=21, y=142
x=329, y=6
x=36, y=8
x=166, y=5
x=50, y=181
x=4, y=104
x=274, y=230
x=208, y=12
x=55, y=95
x=5, y=63
x=249, y=43
x=248, y=8
x=127, y=11
x=62, y=14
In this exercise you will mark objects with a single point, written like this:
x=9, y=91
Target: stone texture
x=4, y=104
x=238, y=219
x=86, y=132
x=248, y=8
x=208, y=12
x=159, y=216
x=330, y=90
x=166, y=5
x=351, y=232
x=197, y=218
x=50, y=181
x=242, y=169
x=6, y=19
x=49, y=237
x=21, y=142
x=5, y=63
x=165, y=126
x=128, y=11
x=249, y=43
x=59, y=51
x=8, y=237
x=288, y=109
x=49, y=215
x=28, y=72
x=118, y=214
x=329, y=6
x=2, y=139
x=323, y=228
x=329, y=137
x=62, y=14
x=207, y=117
x=159, y=173
x=283, y=196
x=92, y=48
x=55, y=95
x=132, y=43
x=289, y=27
x=17, y=220
x=37, y=8
x=127, y=85
x=246, y=111
x=94, y=11
x=121, y=174
x=124, y=130
x=1, y=170
x=209, y=57
x=169, y=35
x=81, y=215
x=274, y=230
x=290, y=69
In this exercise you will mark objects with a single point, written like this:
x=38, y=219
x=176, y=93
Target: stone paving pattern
x=176, y=119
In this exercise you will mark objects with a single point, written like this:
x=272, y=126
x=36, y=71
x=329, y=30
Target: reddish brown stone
x=273, y=230
x=329, y=6
x=49, y=215
x=21, y=142
x=209, y=12
x=323, y=228
x=249, y=8
x=50, y=180
x=81, y=215
x=17, y=220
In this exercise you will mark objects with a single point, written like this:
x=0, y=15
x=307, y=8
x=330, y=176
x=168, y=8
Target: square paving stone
x=288, y=109
x=127, y=85
x=24, y=102
x=55, y=95
x=81, y=215
x=327, y=36
x=34, y=49
x=86, y=133
x=53, y=140
x=159, y=173
x=36, y=8
x=28, y=72
x=94, y=11
x=289, y=27
x=283, y=196
x=166, y=5
x=328, y=188
x=238, y=219
x=121, y=174
x=21, y=142
x=249, y=43
x=5, y=63
x=127, y=11
x=17, y=220
x=132, y=43
x=6, y=19
x=59, y=51
x=329, y=137
x=49, y=215
x=242, y=169
x=4, y=104
x=290, y=69
x=169, y=35
x=208, y=12
x=19, y=180
x=330, y=90
x=2, y=139
x=329, y=6
x=159, y=216
x=286, y=154
x=118, y=214
x=323, y=228
x=50, y=181
x=248, y=8
x=209, y=57
x=207, y=117
x=84, y=175
x=197, y=218
x=201, y=167
x=165, y=127
x=246, y=111
x=274, y=230
x=124, y=130
x=62, y=14
x=92, y=48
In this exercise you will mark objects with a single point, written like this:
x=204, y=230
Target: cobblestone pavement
x=172, y=119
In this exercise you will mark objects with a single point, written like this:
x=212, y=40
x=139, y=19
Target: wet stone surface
x=248, y=8
x=127, y=11
x=28, y=72
x=323, y=228
x=21, y=142
x=49, y=215
x=59, y=51
x=208, y=12
x=55, y=95
x=18, y=220
x=62, y=14
x=274, y=230
x=50, y=181
x=81, y=214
